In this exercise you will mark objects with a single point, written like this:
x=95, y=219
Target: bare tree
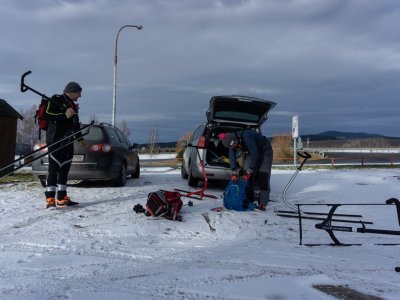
x=124, y=128
x=27, y=130
x=153, y=141
x=180, y=148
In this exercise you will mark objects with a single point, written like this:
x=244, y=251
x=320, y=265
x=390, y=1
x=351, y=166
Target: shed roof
x=8, y=111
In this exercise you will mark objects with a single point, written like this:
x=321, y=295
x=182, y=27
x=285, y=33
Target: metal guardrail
x=371, y=150
x=390, y=159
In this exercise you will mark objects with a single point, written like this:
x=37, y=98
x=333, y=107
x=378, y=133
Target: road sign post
x=295, y=135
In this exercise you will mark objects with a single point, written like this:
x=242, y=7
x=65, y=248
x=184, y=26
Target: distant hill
x=338, y=139
x=339, y=135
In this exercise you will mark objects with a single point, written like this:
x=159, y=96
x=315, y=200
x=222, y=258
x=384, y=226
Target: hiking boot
x=66, y=202
x=51, y=202
x=262, y=207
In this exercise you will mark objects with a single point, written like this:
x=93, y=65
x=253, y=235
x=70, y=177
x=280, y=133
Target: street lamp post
x=139, y=27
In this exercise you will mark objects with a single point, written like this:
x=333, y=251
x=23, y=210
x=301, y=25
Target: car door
x=130, y=154
x=117, y=148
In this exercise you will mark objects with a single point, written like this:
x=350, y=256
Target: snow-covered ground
x=104, y=250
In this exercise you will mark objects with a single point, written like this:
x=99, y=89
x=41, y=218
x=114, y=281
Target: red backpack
x=39, y=115
x=164, y=204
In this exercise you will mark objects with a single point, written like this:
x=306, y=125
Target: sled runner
x=305, y=157
x=294, y=211
x=329, y=224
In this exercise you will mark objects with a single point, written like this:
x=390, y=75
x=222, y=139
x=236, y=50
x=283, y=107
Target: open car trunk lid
x=239, y=109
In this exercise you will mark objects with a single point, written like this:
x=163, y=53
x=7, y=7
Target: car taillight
x=100, y=148
x=38, y=146
x=202, y=142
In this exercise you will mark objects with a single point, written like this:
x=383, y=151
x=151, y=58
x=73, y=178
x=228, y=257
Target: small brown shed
x=8, y=134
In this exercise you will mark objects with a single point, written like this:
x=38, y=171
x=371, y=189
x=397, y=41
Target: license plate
x=78, y=157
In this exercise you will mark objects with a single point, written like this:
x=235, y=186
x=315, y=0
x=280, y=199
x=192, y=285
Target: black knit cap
x=72, y=87
x=230, y=140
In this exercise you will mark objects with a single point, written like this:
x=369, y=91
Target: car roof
x=239, y=109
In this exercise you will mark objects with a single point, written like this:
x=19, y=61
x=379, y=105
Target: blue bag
x=235, y=196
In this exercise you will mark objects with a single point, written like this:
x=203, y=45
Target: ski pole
x=46, y=146
x=44, y=154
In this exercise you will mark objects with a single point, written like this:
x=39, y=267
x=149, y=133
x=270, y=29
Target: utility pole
x=114, y=107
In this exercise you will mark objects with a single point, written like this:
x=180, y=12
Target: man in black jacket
x=62, y=115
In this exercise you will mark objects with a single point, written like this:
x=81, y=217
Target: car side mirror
x=184, y=144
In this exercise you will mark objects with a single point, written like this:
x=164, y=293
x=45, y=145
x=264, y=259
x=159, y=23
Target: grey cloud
x=334, y=63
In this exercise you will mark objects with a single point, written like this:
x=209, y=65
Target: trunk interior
x=217, y=154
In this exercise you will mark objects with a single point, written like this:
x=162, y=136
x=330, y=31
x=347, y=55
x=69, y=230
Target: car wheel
x=183, y=172
x=136, y=173
x=121, y=180
x=191, y=180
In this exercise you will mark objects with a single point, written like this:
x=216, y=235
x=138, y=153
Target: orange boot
x=51, y=202
x=66, y=202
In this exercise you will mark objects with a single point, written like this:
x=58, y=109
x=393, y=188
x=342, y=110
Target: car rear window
x=112, y=135
x=95, y=134
x=236, y=115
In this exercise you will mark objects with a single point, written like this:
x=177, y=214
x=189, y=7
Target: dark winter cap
x=72, y=87
x=229, y=140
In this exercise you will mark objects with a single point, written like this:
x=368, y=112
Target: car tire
x=121, y=180
x=193, y=182
x=183, y=171
x=136, y=173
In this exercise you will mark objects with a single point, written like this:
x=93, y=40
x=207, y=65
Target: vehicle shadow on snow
x=92, y=184
x=111, y=202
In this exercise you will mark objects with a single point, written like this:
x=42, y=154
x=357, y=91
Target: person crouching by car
x=257, y=164
x=62, y=115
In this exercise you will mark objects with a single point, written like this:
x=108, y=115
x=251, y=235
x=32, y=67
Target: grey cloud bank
x=336, y=64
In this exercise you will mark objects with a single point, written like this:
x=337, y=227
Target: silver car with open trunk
x=225, y=114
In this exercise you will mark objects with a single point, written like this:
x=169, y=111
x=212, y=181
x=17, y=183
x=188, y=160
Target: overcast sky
x=335, y=64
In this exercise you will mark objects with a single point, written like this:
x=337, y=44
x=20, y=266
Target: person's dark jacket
x=254, y=143
x=59, y=125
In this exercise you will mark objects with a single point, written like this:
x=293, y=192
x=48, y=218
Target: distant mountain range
x=339, y=135
x=323, y=136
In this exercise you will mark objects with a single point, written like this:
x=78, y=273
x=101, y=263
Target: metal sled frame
x=71, y=138
x=327, y=225
x=305, y=157
x=294, y=208
x=199, y=194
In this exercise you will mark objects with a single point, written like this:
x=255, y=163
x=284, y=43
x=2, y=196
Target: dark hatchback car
x=108, y=155
x=225, y=114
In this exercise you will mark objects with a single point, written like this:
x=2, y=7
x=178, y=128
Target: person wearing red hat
x=257, y=164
